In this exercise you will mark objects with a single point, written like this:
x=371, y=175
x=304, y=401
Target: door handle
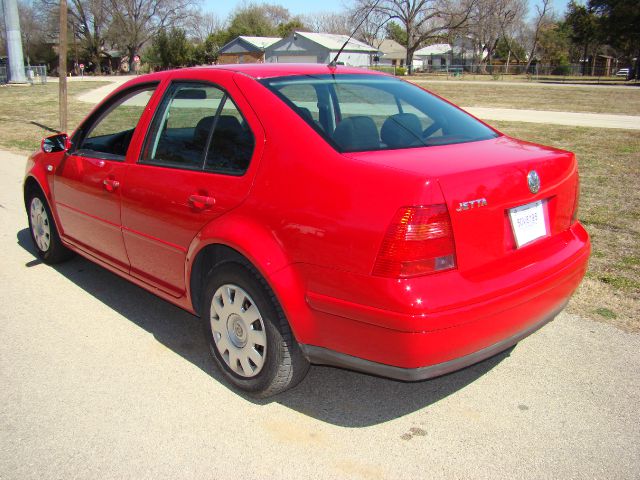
x=202, y=202
x=110, y=185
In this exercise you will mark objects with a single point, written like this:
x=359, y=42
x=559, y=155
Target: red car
x=320, y=214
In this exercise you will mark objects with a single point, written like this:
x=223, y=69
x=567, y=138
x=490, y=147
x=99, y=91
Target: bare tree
x=492, y=20
x=372, y=29
x=89, y=21
x=200, y=26
x=423, y=20
x=32, y=28
x=542, y=13
x=329, y=22
x=136, y=21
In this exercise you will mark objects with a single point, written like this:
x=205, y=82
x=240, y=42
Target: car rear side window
x=375, y=112
x=194, y=119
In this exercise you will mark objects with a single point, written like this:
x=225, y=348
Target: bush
x=401, y=71
x=561, y=70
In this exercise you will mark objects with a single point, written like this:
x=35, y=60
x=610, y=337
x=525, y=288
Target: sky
x=304, y=7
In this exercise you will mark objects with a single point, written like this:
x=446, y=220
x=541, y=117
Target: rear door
x=87, y=183
x=197, y=162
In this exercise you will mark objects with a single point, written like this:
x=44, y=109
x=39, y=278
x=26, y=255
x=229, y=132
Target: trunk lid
x=481, y=182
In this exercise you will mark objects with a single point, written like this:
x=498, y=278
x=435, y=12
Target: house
x=433, y=58
x=308, y=47
x=443, y=56
x=244, y=49
x=392, y=53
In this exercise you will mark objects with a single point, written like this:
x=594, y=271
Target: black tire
x=283, y=364
x=48, y=245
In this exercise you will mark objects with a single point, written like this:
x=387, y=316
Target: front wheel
x=43, y=231
x=248, y=334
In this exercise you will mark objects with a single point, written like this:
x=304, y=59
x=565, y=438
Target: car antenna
x=334, y=62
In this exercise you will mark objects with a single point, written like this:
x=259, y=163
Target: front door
x=88, y=181
x=197, y=163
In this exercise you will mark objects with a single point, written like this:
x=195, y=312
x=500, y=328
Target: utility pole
x=14, y=42
x=62, y=66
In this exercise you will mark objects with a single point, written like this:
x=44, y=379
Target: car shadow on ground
x=332, y=395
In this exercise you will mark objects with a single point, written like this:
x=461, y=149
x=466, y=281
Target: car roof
x=270, y=70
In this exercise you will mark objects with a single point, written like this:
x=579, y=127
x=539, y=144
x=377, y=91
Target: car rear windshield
x=372, y=112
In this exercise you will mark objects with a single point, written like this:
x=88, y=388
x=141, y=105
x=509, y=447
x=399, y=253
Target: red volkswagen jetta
x=318, y=214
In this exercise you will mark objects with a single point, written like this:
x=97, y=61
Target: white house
x=434, y=57
x=309, y=47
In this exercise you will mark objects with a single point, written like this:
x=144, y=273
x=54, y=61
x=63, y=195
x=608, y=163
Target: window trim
x=97, y=116
x=159, y=112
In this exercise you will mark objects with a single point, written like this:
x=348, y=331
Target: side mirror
x=55, y=143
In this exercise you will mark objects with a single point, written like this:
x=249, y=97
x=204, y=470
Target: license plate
x=528, y=222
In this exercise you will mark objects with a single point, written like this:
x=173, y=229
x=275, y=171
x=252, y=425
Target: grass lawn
x=29, y=113
x=609, y=164
x=622, y=100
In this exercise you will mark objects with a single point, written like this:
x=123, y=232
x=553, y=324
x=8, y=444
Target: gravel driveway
x=99, y=379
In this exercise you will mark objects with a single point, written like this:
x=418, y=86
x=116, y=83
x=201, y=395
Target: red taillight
x=419, y=241
x=576, y=202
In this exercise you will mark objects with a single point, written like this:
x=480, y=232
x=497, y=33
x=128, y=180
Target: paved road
x=99, y=379
x=596, y=120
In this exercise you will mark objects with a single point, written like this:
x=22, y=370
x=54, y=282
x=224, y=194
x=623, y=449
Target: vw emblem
x=534, y=181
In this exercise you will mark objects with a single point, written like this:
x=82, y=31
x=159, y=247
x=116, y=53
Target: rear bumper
x=415, y=346
x=323, y=356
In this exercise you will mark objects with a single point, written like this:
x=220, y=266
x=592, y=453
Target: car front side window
x=109, y=134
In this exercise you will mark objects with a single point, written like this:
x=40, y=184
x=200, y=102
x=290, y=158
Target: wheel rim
x=40, y=227
x=238, y=330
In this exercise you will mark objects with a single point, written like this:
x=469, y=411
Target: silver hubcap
x=238, y=330
x=40, y=224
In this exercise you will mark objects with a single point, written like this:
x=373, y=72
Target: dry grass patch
x=622, y=100
x=29, y=113
x=610, y=210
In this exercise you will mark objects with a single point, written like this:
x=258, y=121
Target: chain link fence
x=35, y=74
x=534, y=70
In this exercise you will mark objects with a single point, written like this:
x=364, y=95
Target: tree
x=171, y=49
x=492, y=21
x=135, y=22
x=34, y=32
x=584, y=30
x=422, y=20
x=286, y=29
x=200, y=26
x=329, y=22
x=553, y=46
x=510, y=47
x=206, y=52
x=265, y=20
x=396, y=32
x=542, y=15
x=89, y=21
x=620, y=20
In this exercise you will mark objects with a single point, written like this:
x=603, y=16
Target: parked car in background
x=310, y=213
x=623, y=72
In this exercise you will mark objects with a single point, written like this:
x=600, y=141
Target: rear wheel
x=248, y=334
x=43, y=231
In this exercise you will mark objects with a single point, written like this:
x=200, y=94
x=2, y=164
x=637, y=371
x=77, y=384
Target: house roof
x=334, y=42
x=437, y=49
x=260, y=42
x=392, y=49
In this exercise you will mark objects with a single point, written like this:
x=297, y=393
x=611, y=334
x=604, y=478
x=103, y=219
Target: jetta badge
x=534, y=181
x=480, y=202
